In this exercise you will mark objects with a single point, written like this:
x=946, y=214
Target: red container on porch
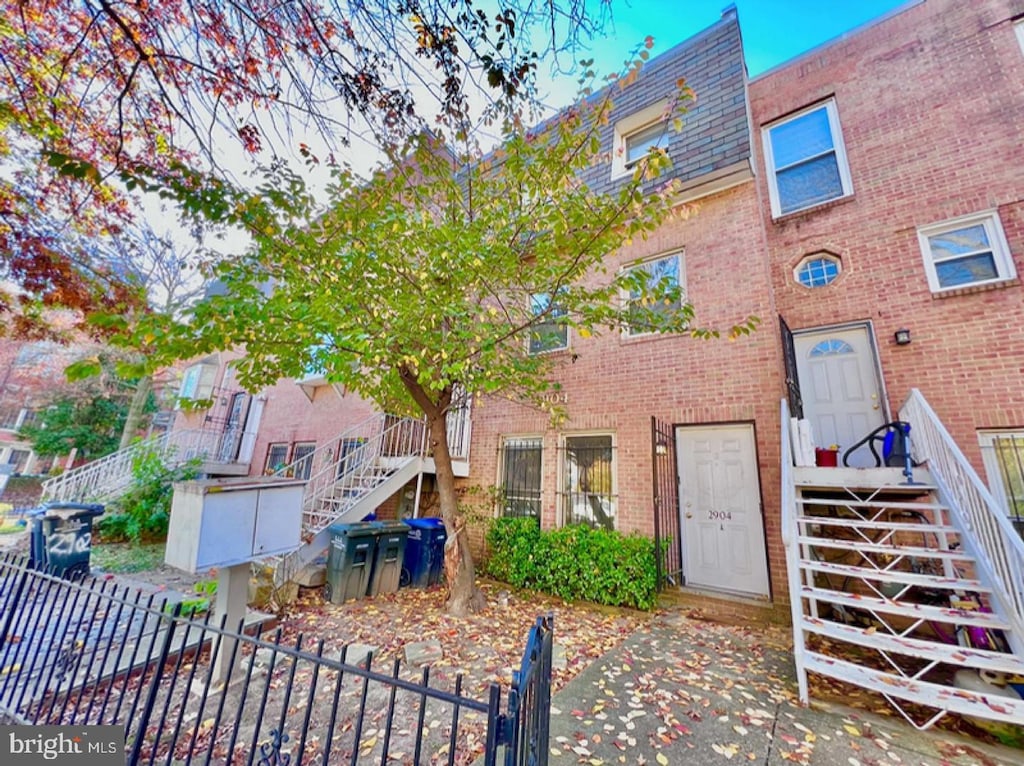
x=826, y=458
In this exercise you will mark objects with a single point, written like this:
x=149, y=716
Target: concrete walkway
x=682, y=691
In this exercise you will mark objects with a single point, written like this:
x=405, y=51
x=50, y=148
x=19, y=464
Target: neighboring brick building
x=902, y=135
x=868, y=186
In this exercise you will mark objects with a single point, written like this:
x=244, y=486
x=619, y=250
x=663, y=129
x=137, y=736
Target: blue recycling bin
x=61, y=538
x=423, y=562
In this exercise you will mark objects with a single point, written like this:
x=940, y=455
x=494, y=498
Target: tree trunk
x=463, y=595
x=136, y=410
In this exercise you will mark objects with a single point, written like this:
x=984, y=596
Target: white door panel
x=842, y=397
x=720, y=504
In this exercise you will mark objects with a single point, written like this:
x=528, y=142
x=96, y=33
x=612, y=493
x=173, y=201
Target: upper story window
x=965, y=251
x=806, y=160
x=639, y=143
x=817, y=270
x=664, y=274
x=637, y=134
x=550, y=333
x=197, y=382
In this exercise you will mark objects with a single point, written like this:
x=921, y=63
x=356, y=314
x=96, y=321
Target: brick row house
x=866, y=201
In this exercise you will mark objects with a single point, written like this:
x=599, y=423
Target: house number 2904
x=720, y=515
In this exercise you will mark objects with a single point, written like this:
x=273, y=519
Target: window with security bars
x=1003, y=455
x=520, y=477
x=277, y=456
x=302, y=457
x=588, y=481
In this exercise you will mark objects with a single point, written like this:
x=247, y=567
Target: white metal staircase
x=108, y=477
x=352, y=474
x=912, y=590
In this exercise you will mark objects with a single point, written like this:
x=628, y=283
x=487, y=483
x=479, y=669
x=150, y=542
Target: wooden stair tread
x=949, y=698
x=907, y=578
x=892, y=550
x=978, y=659
x=905, y=609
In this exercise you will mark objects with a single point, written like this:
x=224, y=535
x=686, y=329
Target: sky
x=773, y=31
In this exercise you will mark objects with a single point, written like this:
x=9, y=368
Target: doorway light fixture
x=902, y=337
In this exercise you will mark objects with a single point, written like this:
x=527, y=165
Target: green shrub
x=143, y=512
x=574, y=562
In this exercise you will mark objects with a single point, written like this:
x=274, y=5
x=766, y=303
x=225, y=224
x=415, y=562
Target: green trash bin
x=387, y=561
x=350, y=561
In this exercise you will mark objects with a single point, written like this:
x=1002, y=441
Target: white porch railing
x=995, y=544
x=107, y=477
x=351, y=464
x=790, y=537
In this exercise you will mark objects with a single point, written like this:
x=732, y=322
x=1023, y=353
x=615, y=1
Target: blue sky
x=773, y=30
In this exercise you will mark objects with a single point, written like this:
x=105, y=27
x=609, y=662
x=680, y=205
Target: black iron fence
x=193, y=690
x=667, y=537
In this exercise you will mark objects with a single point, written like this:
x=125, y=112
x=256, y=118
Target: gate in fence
x=91, y=652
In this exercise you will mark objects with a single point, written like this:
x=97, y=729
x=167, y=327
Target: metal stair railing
x=353, y=463
x=101, y=478
x=106, y=477
x=984, y=524
x=790, y=542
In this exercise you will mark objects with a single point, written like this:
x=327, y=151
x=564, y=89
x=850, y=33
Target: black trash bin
x=61, y=538
x=350, y=560
x=389, y=557
x=424, y=553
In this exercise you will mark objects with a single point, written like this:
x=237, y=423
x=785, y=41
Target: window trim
x=539, y=439
x=679, y=255
x=1018, y=28
x=631, y=126
x=838, y=147
x=563, y=478
x=1001, y=255
x=810, y=258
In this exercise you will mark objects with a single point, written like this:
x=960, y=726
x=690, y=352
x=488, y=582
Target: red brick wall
x=616, y=384
x=931, y=110
x=288, y=415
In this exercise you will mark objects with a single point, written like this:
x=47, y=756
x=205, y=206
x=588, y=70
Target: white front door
x=720, y=505
x=840, y=388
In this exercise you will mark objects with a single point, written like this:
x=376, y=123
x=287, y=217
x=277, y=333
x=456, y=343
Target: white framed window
x=1018, y=27
x=806, y=160
x=818, y=270
x=664, y=276
x=551, y=333
x=966, y=251
x=588, y=480
x=1002, y=453
x=637, y=134
x=521, y=462
x=197, y=382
